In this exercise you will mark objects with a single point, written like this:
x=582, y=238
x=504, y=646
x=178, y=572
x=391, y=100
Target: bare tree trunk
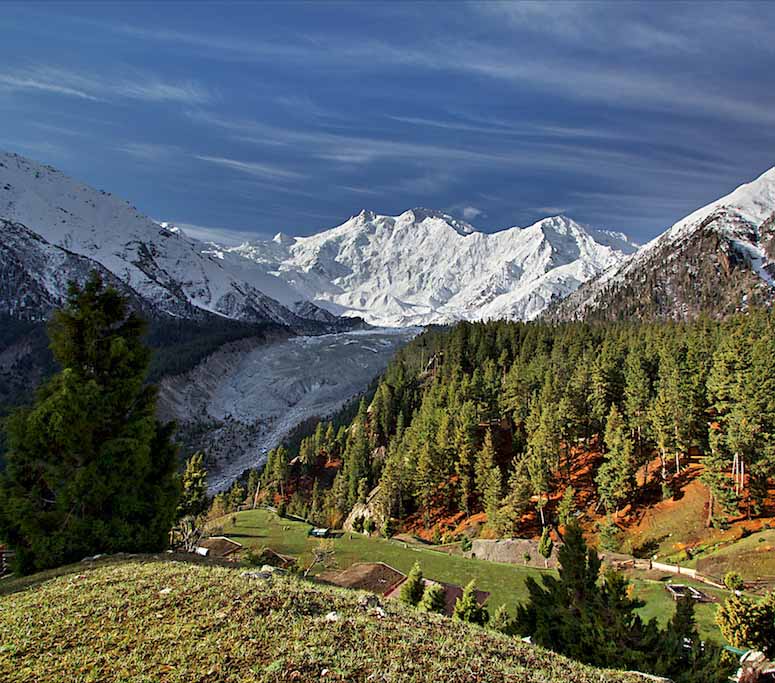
x=255, y=495
x=709, y=520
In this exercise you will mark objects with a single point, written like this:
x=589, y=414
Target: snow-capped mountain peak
x=425, y=266
x=174, y=273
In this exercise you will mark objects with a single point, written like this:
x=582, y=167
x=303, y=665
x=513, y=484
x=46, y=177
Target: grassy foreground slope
x=146, y=620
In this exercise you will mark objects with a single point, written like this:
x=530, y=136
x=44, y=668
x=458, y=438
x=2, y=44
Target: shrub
x=502, y=622
x=733, y=581
x=467, y=608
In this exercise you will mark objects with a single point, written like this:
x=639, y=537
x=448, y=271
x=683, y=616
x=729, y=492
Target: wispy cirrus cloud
x=225, y=236
x=148, y=151
x=54, y=80
x=261, y=170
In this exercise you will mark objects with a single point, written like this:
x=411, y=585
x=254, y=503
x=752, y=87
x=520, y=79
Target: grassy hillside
x=151, y=620
x=504, y=582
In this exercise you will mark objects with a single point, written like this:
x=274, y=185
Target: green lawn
x=753, y=557
x=505, y=582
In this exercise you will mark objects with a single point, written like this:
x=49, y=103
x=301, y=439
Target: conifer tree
x=747, y=623
x=545, y=546
x=413, y=588
x=89, y=468
x=566, y=510
x=433, y=599
x=488, y=477
x=465, y=447
x=637, y=399
x=616, y=475
x=193, y=497
x=467, y=607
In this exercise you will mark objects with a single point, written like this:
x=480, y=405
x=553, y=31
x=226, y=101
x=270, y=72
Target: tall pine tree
x=89, y=468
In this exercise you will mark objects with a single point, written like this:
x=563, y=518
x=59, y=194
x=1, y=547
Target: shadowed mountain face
x=718, y=260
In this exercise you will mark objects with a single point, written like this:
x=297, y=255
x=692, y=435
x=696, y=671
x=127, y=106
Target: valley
x=248, y=397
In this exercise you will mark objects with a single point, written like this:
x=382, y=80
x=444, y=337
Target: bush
x=466, y=544
x=467, y=608
x=282, y=508
x=358, y=524
x=369, y=525
x=733, y=581
x=502, y=622
x=388, y=528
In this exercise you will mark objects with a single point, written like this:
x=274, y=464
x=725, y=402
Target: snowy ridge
x=424, y=266
x=175, y=273
x=742, y=225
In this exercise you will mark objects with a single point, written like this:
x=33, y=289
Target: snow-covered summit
x=424, y=266
x=175, y=273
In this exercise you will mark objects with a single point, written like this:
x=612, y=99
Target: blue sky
x=251, y=118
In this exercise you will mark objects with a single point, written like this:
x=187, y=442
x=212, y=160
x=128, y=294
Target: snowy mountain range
x=416, y=268
x=420, y=267
x=423, y=266
x=717, y=260
x=53, y=229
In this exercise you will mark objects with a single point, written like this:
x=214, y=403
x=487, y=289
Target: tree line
x=497, y=416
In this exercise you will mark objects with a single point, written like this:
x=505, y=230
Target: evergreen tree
x=615, y=478
x=193, y=497
x=488, y=477
x=566, y=510
x=637, y=399
x=89, y=469
x=433, y=599
x=413, y=588
x=747, y=623
x=465, y=447
x=467, y=607
x=545, y=546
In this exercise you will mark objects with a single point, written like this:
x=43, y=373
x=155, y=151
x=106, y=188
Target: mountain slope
x=426, y=267
x=174, y=273
x=717, y=260
x=202, y=623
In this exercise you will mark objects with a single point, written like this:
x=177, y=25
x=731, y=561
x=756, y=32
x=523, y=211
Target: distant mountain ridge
x=716, y=261
x=54, y=229
x=424, y=266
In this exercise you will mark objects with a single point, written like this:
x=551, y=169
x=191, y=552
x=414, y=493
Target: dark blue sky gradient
x=251, y=118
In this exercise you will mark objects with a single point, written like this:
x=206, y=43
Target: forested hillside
x=517, y=425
